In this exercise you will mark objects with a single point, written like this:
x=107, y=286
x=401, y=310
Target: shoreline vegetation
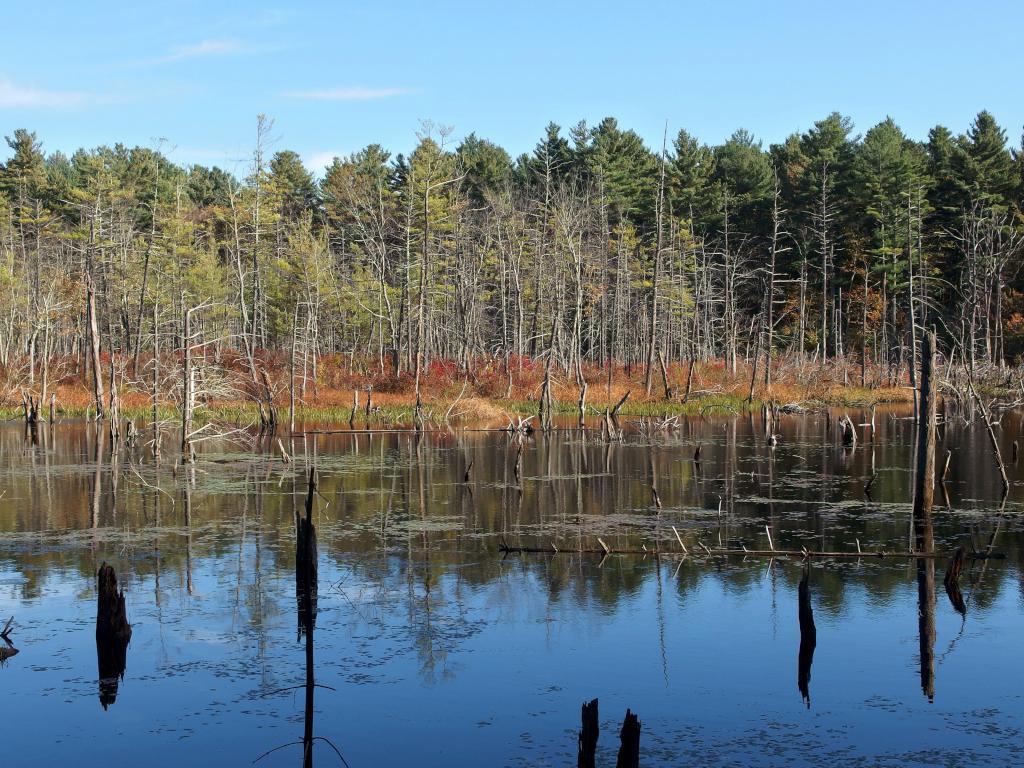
x=355, y=392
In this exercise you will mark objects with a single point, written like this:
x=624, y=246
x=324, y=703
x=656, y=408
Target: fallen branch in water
x=802, y=554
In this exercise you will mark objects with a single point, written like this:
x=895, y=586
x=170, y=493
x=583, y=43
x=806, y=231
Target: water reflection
x=808, y=636
x=422, y=622
x=306, y=586
x=113, y=633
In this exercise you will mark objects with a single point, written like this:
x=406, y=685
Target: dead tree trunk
x=589, y=732
x=629, y=752
x=186, y=387
x=94, y=345
x=924, y=482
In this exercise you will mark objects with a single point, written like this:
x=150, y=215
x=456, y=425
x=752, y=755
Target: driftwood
x=113, y=633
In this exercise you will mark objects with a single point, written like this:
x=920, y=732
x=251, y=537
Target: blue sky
x=336, y=76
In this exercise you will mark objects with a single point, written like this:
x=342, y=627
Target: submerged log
x=113, y=633
x=589, y=731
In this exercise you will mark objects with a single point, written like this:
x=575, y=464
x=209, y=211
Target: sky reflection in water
x=441, y=652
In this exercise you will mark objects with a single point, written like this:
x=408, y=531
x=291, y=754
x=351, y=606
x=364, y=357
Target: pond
x=433, y=648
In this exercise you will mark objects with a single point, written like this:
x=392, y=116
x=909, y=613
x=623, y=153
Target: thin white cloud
x=348, y=93
x=27, y=97
x=201, y=50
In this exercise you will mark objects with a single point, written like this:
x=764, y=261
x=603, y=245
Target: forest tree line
x=593, y=248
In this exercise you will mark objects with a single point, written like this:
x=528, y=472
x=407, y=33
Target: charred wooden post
x=355, y=407
x=629, y=736
x=113, y=633
x=808, y=638
x=369, y=401
x=924, y=478
x=589, y=732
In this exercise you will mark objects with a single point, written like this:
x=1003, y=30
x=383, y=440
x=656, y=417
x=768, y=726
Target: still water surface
x=435, y=650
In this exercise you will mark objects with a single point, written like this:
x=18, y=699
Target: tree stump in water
x=629, y=752
x=113, y=633
x=588, y=735
x=849, y=432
